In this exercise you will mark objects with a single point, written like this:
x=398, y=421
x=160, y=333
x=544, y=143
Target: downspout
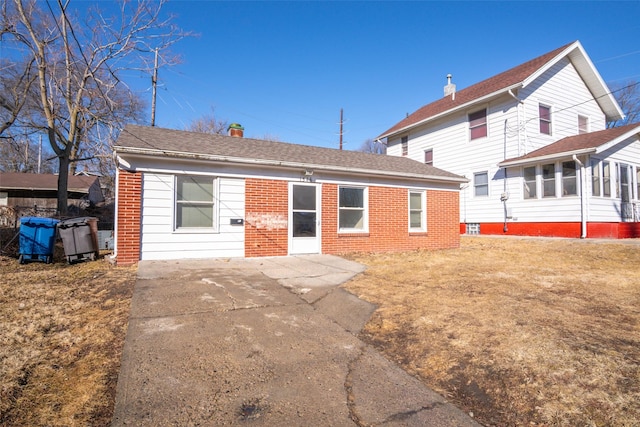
x=504, y=197
x=583, y=198
x=114, y=257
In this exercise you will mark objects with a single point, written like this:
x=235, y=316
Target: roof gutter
x=452, y=110
x=277, y=163
x=554, y=156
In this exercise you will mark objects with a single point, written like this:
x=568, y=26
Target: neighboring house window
x=545, y=119
x=595, y=178
x=583, y=124
x=405, y=145
x=478, y=124
x=4, y=198
x=569, y=183
x=428, y=157
x=195, y=201
x=353, y=209
x=623, y=183
x=529, y=179
x=637, y=182
x=548, y=180
x=606, y=179
x=417, y=211
x=481, y=184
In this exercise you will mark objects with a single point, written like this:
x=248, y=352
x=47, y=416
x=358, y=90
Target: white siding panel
x=159, y=241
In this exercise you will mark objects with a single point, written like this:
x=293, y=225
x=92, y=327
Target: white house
x=534, y=143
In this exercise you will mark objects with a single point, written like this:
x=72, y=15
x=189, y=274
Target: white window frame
x=541, y=120
x=485, y=124
x=4, y=198
x=476, y=185
x=364, y=209
x=596, y=178
x=214, y=205
x=430, y=163
x=566, y=179
x=586, y=124
x=628, y=182
x=637, y=182
x=525, y=181
x=404, y=144
x=606, y=178
x=543, y=181
x=422, y=210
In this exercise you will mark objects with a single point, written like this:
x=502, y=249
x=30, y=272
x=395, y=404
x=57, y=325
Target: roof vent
x=450, y=88
x=235, y=129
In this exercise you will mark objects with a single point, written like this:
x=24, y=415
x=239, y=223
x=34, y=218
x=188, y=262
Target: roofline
x=554, y=156
x=284, y=164
x=602, y=147
x=452, y=110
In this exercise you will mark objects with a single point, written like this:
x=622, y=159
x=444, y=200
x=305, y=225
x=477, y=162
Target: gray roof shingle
x=179, y=144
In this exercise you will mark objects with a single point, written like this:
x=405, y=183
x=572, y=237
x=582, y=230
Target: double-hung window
x=352, y=210
x=478, y=124
x=545, y=119
x=404, y=142
x=596, y=180
x=417, y=211
x=548, y=180
x=606, y=179
x=583, y=124
x=195, y=202
x=637, y=182
x=624, y=184
x=481, y=184
x=529, y=182
x=428, y=157
x=569, y=183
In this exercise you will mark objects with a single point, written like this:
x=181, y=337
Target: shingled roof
x=585, y=143
x=44, y=181
x=154, y=141
x=512, y=79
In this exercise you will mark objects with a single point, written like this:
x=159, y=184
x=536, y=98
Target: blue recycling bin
x=37, y=239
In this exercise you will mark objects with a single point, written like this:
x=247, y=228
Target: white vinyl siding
x=160, y=241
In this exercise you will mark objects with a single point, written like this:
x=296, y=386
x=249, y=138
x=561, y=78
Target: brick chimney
x=235, y=129
x=450, y=88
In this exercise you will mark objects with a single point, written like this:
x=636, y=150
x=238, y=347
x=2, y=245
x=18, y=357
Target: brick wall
x=129, y=217
x=388, y=222
x=266, y=217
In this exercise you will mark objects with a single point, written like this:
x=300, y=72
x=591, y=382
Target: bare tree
x=78, y=59
x=375, y=147
x=628, y=96
x=208, y=123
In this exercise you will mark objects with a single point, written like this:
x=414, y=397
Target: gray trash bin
x=79, y=238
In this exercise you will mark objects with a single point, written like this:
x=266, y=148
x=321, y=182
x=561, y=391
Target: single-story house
x=30, y=189
x=183, y=194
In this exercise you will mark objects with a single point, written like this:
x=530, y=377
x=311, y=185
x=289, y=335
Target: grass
x=62, y=328
x=516, y=331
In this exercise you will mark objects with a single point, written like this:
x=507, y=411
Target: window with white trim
x=195, y=202
x=596, y=180
x=481, y=184
x=623, y=183
x=637, y=182
x=606, y=179
x=428, y=157
x=583, y=124
x=548, y=180
x=404, y=141
x=478, y=124
x=569, y=179
x=352, y=210
x=417, y=211
x=529, y=182
x=544, y=112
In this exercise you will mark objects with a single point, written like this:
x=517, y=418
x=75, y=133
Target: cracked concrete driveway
x=269, y=342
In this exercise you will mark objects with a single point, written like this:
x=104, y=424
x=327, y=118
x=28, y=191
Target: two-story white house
x=534, y=143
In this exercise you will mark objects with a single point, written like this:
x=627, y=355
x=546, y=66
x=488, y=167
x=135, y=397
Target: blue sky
x=285, y=69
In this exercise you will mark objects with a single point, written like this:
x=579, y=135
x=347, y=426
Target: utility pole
x=341, y=129
x=154, y=83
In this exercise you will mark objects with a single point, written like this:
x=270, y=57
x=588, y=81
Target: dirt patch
x=516, y=331
x=62, y=330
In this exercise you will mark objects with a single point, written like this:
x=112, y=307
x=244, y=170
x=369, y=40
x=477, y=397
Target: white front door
x=304, y=218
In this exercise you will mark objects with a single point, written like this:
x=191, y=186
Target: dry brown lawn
x=62, y=328
x=515, y=331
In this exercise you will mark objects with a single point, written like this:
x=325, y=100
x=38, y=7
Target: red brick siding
x=129, y=217
x=266, y=217
x=388, y=222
